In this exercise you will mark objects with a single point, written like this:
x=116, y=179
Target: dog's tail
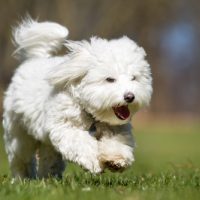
x=34, y=39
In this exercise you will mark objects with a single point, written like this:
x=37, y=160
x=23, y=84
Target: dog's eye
x=133, y=78
x=110, y=80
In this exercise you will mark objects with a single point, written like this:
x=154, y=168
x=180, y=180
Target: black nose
x=129, y=97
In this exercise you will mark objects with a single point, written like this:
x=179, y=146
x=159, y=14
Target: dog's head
x=110, y=79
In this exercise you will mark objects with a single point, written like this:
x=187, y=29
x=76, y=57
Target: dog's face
x=113, y=79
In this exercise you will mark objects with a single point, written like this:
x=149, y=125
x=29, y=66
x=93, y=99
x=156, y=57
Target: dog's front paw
x=115, y=163
x=116, y=156
x=90, y=163
x=93, y=166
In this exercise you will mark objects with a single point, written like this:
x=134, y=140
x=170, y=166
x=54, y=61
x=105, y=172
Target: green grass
x=167, y=167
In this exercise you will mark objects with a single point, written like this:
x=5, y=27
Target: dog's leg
x=50, y=162
x=116, y=145
x=20, y=148
x=77, y=146
x=114, y=154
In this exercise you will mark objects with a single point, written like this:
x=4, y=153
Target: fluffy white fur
x=52, y=101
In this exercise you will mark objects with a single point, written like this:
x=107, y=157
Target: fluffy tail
x=34, y=39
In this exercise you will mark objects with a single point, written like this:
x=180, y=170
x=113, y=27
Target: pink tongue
x=122, y=112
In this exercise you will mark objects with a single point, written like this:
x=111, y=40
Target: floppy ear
x=75, y=66
x=66, y=73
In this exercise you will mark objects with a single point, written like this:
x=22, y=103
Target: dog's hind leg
x=20, y=148
x=51, y=163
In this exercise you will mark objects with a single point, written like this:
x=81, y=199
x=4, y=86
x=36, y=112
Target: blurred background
x=169, y=31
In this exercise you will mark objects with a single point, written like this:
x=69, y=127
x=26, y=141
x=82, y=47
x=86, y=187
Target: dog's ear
x=74, y=67
x=65, y=74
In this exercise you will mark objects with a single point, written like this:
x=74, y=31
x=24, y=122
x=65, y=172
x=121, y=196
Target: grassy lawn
x=167, y=167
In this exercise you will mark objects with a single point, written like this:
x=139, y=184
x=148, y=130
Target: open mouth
x=122, y=112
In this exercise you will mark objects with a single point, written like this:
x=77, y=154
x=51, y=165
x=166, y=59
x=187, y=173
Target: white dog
x=52, y=102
